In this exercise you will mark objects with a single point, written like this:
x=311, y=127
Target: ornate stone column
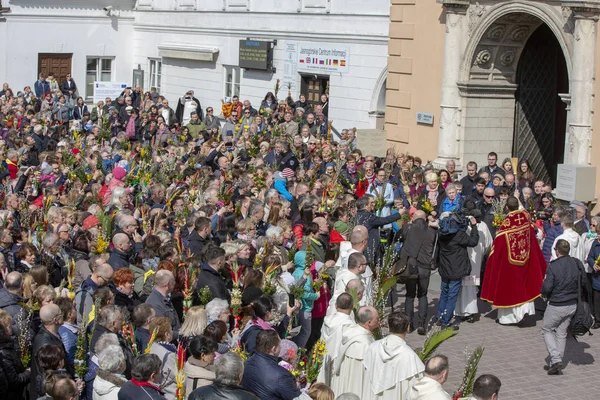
x=579, y=133
x=454, y=43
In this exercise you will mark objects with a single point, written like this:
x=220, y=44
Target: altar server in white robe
x=359, y=240
x=331, y=333
x=466, y=305
x=348, y=369
x=357, y=264
x=392, y=367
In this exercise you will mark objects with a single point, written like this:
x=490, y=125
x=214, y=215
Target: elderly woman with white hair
x=275, y=240
x=119, y=199
x=218, y=309
x=109, y=378
x=433, y=194
x=237, y=251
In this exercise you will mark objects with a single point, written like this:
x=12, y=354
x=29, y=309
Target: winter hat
x=341, y=227
x=287, y=173
x=119, y=173
x=90, y=222
x=251, y=294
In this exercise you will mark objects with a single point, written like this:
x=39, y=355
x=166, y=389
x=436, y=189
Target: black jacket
x=420, y=243
x=195, y=243
x=38, y=377
x=55, y=265
x=267, y=380
x=453, y=259
x=218, y=391
x=124, y=301
x=211, y=278
x=564, y=277
x=16, y=375
x=372, y=223
x=118, y=259
x=130, y=391
x=468, y=185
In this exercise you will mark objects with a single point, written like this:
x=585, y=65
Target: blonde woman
x=195, y=322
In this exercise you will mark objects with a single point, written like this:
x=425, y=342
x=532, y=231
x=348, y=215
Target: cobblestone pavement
x=517, y=355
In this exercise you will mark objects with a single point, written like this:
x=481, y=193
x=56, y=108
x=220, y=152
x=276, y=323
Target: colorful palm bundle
x=426, y=206
x=321, y=280
x=269, y=288
x=383, y=283
x=24, y=340
x=498, y=210
x=180, y=376
x=71, y=279
x=151, y=341
x=312, y=365
x=129, y=336
x=225, y=194
x=188, y=289
x=80, y=361
x=238, y=349
x=236, y=305
x=470, y=373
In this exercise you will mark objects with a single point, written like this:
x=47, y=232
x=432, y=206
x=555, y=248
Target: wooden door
x=57, y=63
x=313, y=87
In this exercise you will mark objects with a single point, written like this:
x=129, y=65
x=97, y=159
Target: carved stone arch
x=506, y=28
x=378, y=96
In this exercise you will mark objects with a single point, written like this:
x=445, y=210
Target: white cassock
x=366, y=277
x=392, y=369
x=342, y=277
x=466, y=303
x=348, y=370
x=426, y=388
x=575, y=242
x=331, y=334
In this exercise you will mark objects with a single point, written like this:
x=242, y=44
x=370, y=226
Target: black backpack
x=583, y=319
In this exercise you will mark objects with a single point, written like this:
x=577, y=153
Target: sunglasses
x=488, y=197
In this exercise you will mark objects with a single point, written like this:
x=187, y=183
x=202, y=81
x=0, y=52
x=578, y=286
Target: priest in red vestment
x=515, y=268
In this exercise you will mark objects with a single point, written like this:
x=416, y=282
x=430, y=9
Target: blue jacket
x=552, y=233
x=68, y=335
x=281, y=188
x=41, y=88
x=591, y=260
x=308, y=300
x=107, y=165
x=452, y=206
x=266, y=379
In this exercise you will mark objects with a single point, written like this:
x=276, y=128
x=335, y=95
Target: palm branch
x=435, y=337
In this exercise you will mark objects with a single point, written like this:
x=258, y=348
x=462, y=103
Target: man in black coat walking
x=210, y=275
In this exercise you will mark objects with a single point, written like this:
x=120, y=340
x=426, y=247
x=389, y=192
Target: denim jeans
x=305, y=319
x=448, y=297
x=417, y=288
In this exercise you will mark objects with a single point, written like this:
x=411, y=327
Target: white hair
x=111, y=359
x=115, y=197
x=215, y=308
x=229, y=368
x=106, y=340
x=274, y=232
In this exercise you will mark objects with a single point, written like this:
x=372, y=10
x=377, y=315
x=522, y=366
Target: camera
x=107, y=10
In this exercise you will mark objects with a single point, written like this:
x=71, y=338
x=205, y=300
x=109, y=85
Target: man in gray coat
x=160, y=299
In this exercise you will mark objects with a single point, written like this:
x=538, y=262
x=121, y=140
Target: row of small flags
x=327, y=61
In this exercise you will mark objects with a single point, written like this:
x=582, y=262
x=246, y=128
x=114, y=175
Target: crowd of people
x=151, y=251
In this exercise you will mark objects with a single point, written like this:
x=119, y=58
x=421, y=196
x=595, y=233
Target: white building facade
x=194, y=44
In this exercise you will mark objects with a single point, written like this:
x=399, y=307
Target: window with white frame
x=231, y=81
x=155, y=70
x=97, y=69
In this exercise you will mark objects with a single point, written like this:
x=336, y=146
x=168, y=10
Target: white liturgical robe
x=331, y=333
x=342, y=277
x=348, y=369
x=392, y=369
